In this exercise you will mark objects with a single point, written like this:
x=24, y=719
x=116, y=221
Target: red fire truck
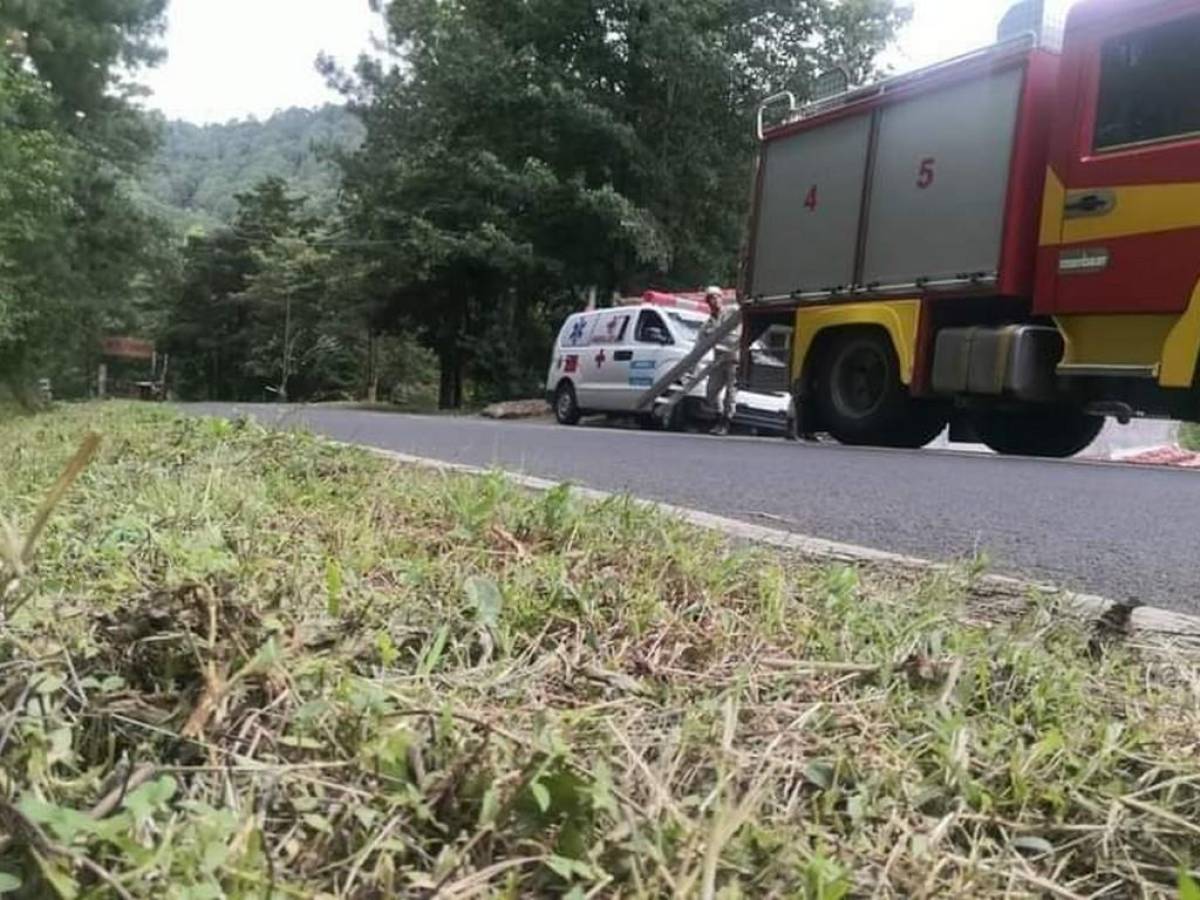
x=1008, y=242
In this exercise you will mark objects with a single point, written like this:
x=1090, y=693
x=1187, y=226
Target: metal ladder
x=678, y=381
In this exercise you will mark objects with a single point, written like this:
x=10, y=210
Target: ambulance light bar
x=693, y=301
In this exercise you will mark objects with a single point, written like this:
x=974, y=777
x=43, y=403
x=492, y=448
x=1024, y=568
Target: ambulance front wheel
x=566, y=407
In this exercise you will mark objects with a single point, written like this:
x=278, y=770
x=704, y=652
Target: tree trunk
x=372, y=366
x=446, y=380
x=286, y=363
x=450, y=355
x=450, y=383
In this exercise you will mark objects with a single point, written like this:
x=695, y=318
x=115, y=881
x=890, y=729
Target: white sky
x=230, y=59
x=236, y=58
x=940, y=29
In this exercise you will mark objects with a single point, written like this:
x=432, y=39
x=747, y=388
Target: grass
x=1189, y=436
x=248, y=664
x=10, y=406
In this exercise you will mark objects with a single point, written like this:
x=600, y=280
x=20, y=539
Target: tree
x=74, y=252
x=296, y=342
x=34, y=194
x=209, y=329
x=197, y=173
x=81, y=49
x=257, y=311
x=525, y=150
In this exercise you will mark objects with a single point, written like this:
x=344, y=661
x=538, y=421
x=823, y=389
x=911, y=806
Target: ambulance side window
x=575, y=332
x=610, y=328
x=1149, y=85
x=651, y=329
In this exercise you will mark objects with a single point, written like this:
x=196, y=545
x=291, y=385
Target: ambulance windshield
x=691, y=327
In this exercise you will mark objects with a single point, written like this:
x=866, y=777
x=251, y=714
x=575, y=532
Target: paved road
x=1125, y=533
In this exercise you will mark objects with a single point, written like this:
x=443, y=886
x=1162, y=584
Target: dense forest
x=79, y=259
x=197, y=173
x=553, y=150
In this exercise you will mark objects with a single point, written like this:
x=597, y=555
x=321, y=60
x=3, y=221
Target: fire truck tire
x=1054, y=433
x=566, y=408
x=924, y=420
x=859, y=395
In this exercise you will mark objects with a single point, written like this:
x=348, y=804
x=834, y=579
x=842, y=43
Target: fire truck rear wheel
x=1055, y=433
x=566, y=408
x=859, y=395
x=924, y=420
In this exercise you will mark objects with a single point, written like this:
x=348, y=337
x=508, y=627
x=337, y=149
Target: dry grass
x=247, y=664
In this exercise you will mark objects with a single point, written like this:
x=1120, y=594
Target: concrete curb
x=1151, y=622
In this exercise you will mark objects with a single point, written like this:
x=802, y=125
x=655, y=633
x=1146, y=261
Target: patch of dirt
x=517, y=409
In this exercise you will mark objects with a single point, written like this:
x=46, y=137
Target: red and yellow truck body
x=1009, y=241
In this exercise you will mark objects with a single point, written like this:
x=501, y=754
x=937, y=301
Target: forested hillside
x=510, y=159
x=199, y=169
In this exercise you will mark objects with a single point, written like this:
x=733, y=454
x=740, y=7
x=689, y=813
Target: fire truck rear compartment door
x=940, y=182
x=811, y=195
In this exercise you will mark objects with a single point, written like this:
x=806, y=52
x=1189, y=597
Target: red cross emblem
x=600, y=357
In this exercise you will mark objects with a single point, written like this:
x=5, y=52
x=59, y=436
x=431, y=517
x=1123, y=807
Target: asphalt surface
x=1129, y=534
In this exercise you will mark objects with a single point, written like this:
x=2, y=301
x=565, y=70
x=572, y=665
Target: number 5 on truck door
x=925, y=175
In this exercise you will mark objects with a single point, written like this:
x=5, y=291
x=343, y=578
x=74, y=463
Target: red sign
x=127, y=348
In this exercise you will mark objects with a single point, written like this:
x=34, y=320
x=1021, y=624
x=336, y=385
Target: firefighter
x=723, y=375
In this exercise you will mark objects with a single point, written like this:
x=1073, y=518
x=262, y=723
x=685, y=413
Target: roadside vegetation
x=241, y=663
x=18, y=404
x=1189, y=436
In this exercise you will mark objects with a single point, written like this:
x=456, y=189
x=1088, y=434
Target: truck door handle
x=1093, y=203
x=623, y=355
x=1087, y=203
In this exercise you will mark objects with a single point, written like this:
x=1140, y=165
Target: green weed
x=1189, y=436
x=250, y=664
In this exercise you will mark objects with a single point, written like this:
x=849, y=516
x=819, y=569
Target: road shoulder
x=1147, y=622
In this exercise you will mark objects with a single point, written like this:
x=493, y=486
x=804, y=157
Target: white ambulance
x=604, y=359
